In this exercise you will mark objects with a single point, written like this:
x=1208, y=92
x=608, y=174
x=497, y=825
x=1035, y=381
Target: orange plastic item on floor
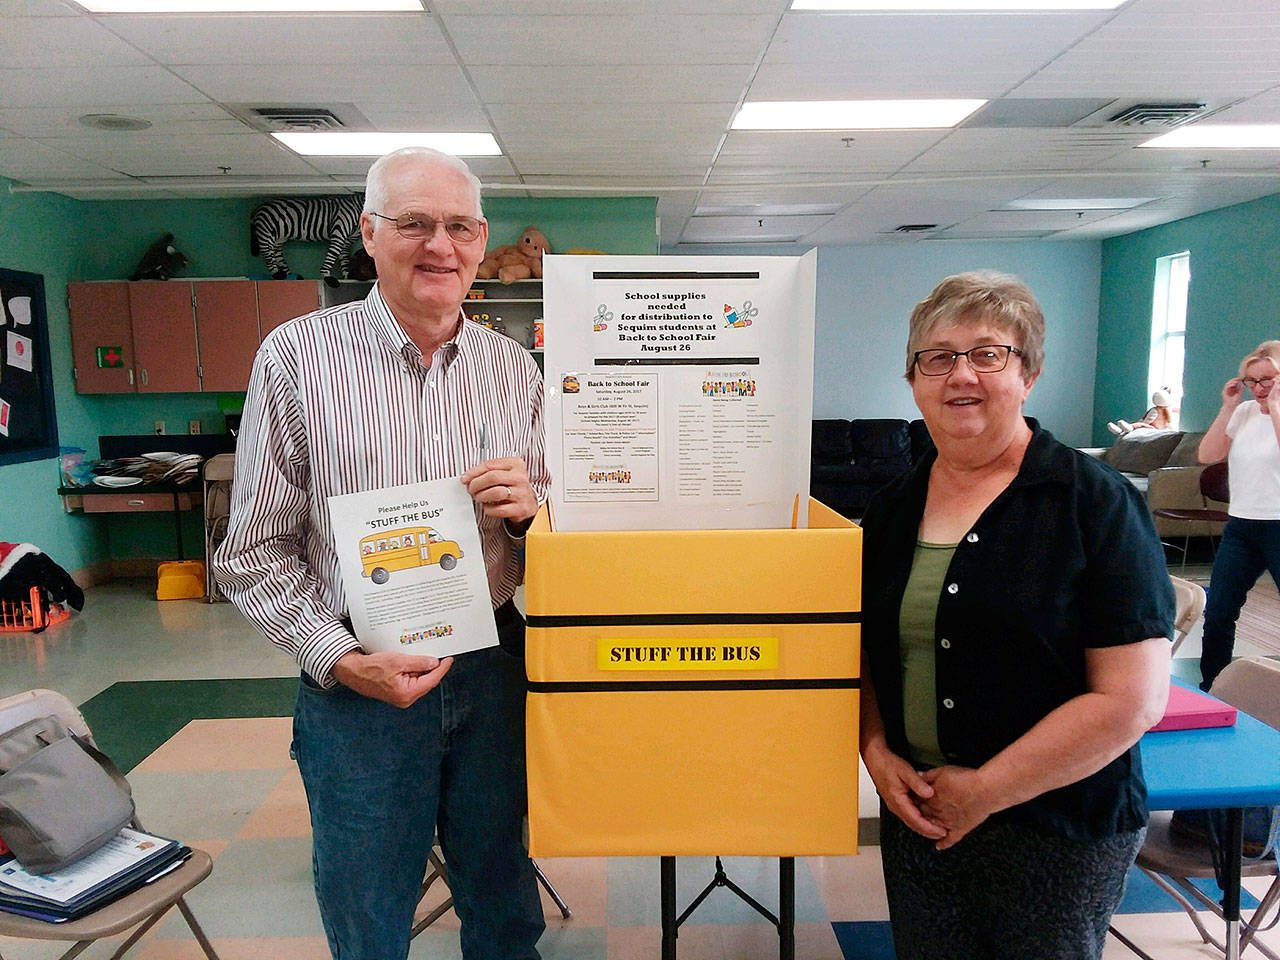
x=30, y=615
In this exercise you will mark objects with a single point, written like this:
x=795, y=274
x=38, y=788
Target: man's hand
x=395, y=678
x=903, y=790
x=959, y=802
x=501, y=486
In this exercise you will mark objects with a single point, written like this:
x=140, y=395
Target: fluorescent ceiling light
x=852, y=114
x=1221, y=136
x=249, y=6
x=364, y=144
x=1077, y=203
x=768, y=210
x=955, y=6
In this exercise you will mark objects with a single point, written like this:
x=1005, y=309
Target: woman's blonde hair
x=1267, y=350
x=982, y=296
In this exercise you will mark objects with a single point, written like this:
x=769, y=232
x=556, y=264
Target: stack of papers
x=128, y=861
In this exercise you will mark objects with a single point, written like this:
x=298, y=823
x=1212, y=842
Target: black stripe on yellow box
x=681, y=619
x=737, y=761
x=658, y=686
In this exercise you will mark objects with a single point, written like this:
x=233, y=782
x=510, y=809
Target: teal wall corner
x=1233, y=305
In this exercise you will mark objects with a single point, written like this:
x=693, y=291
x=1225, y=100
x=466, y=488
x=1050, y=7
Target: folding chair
x=1252, y=685
x=436, y=870
x=1214, y=488
x=139, y=910
x=1190, y=608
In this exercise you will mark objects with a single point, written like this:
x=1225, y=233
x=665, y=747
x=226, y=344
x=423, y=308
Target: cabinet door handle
x=131, y=377
x=144, y=376
x=136, y=503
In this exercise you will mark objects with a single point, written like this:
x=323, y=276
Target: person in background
x=1245, y=433
x=1016, y=616
x=1159, y=417
x=396, y=389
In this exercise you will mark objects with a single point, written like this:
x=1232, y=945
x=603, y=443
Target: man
x=396, y=389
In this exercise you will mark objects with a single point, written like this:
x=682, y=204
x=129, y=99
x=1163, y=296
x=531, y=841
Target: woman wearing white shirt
x=1247, y=436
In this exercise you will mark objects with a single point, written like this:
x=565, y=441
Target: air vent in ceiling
x=915, y=227
x=297, y=118
x=1157, y=114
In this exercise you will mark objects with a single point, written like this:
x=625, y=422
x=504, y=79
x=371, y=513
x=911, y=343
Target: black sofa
x=851, y=459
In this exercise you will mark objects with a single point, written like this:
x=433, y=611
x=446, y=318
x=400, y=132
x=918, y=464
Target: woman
x=1016, y=616
x=1158, y=417
x=1247, y=436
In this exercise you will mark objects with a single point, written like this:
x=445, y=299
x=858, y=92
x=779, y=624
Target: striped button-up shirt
x=342, y=401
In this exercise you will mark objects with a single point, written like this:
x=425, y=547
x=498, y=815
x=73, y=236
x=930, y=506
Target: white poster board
x=679, y=390
x=412, y=569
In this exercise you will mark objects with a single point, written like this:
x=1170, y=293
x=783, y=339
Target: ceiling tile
x=141, y=156
x=612, y=88
x=30, y=41
x=386, y=38
x=493, y=8
x=166, y=118
x=40, y=8
x=609, y=39
x=23, y=159
x=314, y=84
x=104, y=86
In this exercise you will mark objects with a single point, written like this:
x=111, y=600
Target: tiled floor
x=214, y=771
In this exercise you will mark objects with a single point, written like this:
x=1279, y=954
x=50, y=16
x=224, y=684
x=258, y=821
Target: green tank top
x=916, y=631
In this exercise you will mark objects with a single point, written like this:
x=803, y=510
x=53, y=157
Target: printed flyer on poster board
x=413, y=570
x=679, y=390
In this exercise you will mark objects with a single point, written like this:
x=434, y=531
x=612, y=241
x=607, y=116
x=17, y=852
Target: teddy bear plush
x=517, y=261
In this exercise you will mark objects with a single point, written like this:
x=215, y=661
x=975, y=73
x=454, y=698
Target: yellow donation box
x=694, y=692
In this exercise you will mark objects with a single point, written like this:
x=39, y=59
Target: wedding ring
x=508, y=496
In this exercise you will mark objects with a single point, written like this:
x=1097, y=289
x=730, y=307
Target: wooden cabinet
x=101, y=337
x=281, y=300
x=175, y=336
x=164, y=337
x=226, y=332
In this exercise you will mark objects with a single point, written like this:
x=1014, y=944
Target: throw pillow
x=1184, y=454
x=1142, y=451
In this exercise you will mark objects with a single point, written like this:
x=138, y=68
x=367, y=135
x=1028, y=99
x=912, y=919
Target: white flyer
x=18, y=350
x=413, y=570
x=679, y=390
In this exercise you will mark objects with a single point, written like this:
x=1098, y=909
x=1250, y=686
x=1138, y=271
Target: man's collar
x=393, y=335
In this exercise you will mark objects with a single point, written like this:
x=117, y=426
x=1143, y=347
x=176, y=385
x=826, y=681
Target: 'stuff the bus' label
x=713, y=653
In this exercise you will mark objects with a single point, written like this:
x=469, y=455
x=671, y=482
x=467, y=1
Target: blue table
x=1230, y=767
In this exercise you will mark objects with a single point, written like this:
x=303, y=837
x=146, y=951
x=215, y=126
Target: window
x=1169, y=329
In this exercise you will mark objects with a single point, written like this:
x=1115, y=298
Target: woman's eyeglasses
x=988, y=358
x=418, y=226
x=1264, y=382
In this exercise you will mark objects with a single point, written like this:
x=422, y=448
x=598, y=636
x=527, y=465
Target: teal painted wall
x=40, y=233
x=1233, y=305
x=867, y=292
x=68, y=240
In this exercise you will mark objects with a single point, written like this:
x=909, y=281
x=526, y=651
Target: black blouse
x=1066, y=558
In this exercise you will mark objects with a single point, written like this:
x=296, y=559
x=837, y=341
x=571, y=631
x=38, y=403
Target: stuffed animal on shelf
x=335, y=219
x=161, y=261
x=517, y=261
x=361, y=265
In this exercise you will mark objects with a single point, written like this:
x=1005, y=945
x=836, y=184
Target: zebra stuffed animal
x=281, y=219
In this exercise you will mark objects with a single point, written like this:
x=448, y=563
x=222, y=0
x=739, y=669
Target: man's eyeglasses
x=1265, y=382
x=418, y=226
x=987, y=358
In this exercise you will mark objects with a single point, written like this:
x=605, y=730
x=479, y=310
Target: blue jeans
x=381, y=781
x=1248, y=548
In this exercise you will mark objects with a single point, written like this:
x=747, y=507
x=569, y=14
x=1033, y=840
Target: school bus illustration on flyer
x=384, y=553
x=413, y=573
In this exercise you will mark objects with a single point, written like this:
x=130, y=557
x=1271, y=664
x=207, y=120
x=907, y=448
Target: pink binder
x=1191, y=710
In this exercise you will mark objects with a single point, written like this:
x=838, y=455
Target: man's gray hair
x=375, y=190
